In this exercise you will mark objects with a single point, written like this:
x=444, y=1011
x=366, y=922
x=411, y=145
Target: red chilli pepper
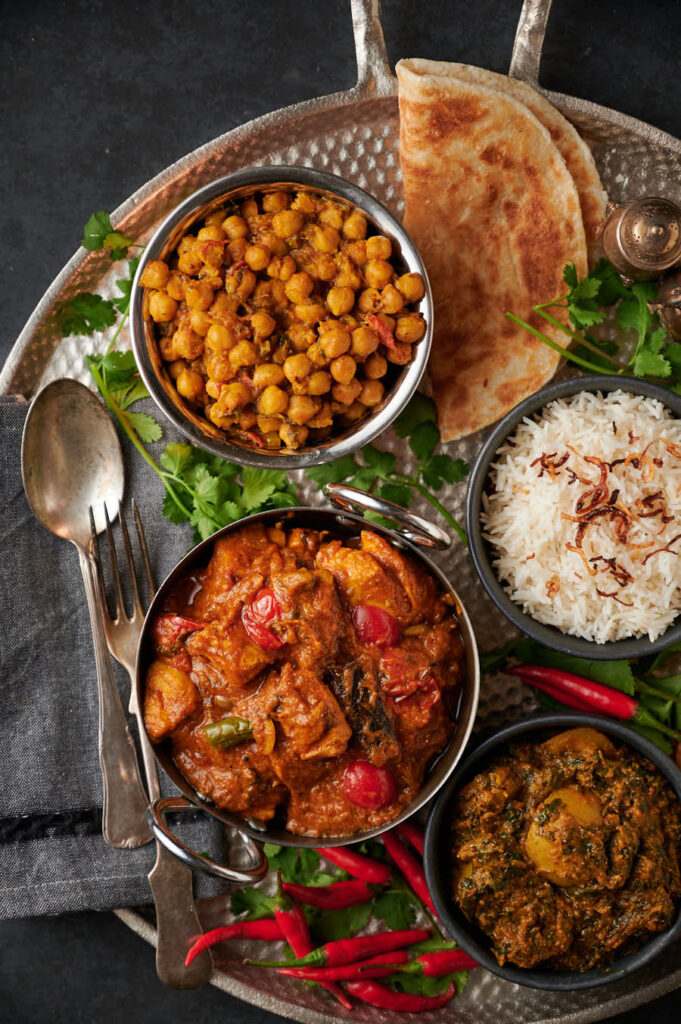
x=436, y=965
x=385, y=335
x=266, y=930
x=412, y=833
x=375, y=994
x=356, y=864
x=373, y=968
x=263, y=608
x=347, y=951
x=330, y=897
x=168, y=630
x=254, y=438
x=291, y=920
x=585, y=695
x=410, y=868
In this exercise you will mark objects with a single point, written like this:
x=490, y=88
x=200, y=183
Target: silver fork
x=170, y=880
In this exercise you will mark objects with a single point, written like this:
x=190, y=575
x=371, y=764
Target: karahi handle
x=374, y=77
x=529, y=41
x=412, y=527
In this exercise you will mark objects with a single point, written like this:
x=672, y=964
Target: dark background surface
x=95, y=99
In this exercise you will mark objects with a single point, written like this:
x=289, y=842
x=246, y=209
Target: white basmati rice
x=525, y=518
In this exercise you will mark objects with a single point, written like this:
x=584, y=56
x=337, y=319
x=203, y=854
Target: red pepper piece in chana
x=385, y=335
x=375, y=994
x=436, y=965
x=373, y=968
x=291, y=920
x=374, y=625
x=356, y=864
x=330, y=897
x=413, y=835
x=410, y=868
x=265, y=930
x=369, y=786
x=347, y=951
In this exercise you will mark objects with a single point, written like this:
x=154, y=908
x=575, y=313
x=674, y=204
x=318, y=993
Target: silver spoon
x=70, y=462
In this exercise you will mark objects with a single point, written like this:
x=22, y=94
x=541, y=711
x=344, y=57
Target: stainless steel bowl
x=196, y=427
x=341, y=523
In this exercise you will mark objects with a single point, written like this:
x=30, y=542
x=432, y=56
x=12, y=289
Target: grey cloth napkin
x=53, y=858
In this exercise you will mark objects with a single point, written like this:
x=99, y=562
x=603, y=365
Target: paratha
x=496, y=215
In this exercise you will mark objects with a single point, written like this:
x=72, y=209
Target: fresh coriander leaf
x=172, y=511
x=399, y=493
x=364, y=479
x=372, y=848
x=632, y=312
x=85, y=313
x=672, y=354
x=383, y=463
x=419, y=986
x=117, y=367
x=253, y=902
x=95, y=231
x=664, y=656
x=206, y=485
x=521, y=649
x=653, y=735
x=147, y=428
x=647, y=359
x=452, y=471
x=282, y=499
x=420, y=410
x=333, y=472
x=117, y=244
x=124, y=285
x=229, y=512
x=570, y=275
x=258, y=485
x=204, y=524
x=396, y=908
x=332, y=925
x=424, y=440
x=127, y=395
x=297, y=865
x=176, y=457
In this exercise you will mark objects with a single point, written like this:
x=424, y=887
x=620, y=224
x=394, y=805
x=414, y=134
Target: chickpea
x=177, y=286
x=187, y=343
x=212, y=255
x=311, y=310
x=190, y=262
x=213, y=413
x=355, y=226
x=246, y=419
x=167, y=349
x=372, y=392
x=218, y=366
x=369, y=301
x=276, y=245
x=335, y=342
x=211, y=233
x=323, y=417
x=297, y=367
x=269, y=425
x=355, y=412
x=155, y=274
x=340, y=300
x=185, y=244
x=190, y=385
x=324, y=267
x=162, y=307
x=274, y=202
x=332, y=215
x=318, y=383
x=304, y=202
x=400, y=355
x=249, y=209
x=347, y=274
x=237, y=249
x=379, y=248
x=410, y=328
x=375, y=366
x=287, y=223
x=346, y=394
x=241, y=283
x=266, y=375
x=233, y=396
x=391, y=300
x=215, y=218
x=262, y=324
x=257, y=257
x=200, y=322
x=411, y=286
x=244, y=353
x=272, y=441
x=316, y=355
x=235, y=227
x=364, y=342
x=325, y=238
x=301, y=337
x=282, y=268
x=199, y=295
x=213, y=388
x=293, y=434
x=220, y=338
x=302, y=408
x=273, y=401
x=224, y=305
x=378, y=273
x=176, y=367
x=343, y=369
x=298, y=287
x=357, y=252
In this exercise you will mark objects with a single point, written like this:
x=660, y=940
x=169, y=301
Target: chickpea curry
x=566, y=853
x=306, y=676
x=282, y=319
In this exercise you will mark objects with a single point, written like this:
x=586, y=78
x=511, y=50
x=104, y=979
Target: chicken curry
x=566, y=853
x=306, y=676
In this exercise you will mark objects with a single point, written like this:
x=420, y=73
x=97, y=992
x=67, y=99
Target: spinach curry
x=566, y=853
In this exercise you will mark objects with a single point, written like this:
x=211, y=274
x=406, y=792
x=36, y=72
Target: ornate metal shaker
x=642, y=239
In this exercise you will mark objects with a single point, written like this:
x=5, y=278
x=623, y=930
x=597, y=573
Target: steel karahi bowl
x=482, y=552
x=438, y=858
x=196, y=427
x=411, y=535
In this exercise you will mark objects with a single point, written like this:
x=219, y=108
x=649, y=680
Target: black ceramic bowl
x=437, y=855
x=482, y=552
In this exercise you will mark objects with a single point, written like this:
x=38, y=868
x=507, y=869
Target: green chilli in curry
x=566, y=853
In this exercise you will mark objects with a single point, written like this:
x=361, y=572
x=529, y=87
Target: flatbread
x=571, y=146
x=496, y=215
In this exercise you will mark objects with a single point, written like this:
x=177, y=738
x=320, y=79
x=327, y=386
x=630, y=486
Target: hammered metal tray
x=355, y=134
